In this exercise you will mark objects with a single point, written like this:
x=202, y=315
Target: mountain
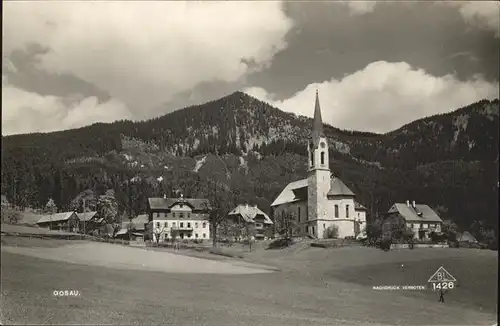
x=449, y=161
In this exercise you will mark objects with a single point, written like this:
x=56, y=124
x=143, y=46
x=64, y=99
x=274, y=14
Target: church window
x=312, y=158
x=322, y=157
x=323, y=145
x=324, y=226
x=298, y=213
x=347, y=211
x=337, y=211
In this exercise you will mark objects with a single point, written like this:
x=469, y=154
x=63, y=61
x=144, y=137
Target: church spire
x=317, y=130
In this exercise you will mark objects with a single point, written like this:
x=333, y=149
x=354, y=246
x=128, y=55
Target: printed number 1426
x=443, y=286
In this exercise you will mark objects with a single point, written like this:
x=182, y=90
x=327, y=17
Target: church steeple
x=317, y=130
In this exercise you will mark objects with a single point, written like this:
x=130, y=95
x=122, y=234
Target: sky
x=377, y=65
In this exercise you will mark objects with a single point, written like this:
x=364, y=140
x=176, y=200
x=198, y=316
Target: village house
x=322, y=200
x=138, y=223
x=251, y=214
x=90, y=221
x=67, y=221
x=185, y=218
x=420, y=218
x=134, y=229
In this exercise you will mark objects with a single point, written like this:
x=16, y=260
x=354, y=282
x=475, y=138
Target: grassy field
x=315, y=287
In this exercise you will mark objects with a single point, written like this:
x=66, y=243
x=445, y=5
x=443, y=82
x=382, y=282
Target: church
x=322, y=200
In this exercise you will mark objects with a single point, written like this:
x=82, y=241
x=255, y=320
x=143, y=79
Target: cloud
x=383, y=96
x=26, y=112
x=360, y=7
x=481, y=14
x=145, y=52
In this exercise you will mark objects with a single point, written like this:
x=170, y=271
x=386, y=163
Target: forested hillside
x=253, y=150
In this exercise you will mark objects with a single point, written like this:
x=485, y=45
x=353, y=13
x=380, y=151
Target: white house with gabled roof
x=187, y=217
x=322, y=200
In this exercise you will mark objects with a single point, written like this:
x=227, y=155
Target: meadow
x=313, y=286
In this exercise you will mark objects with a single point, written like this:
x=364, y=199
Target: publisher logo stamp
x=442, y=280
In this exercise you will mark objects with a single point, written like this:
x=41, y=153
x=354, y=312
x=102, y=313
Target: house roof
x=86, y=216
x=138, y=222
x=167, y=203
x=466, y=236
x=421, y=212
x=249, y=213
x=338, y=188
x=55, y=217
x=121, y=232
x=359, y=207
x=287, y=195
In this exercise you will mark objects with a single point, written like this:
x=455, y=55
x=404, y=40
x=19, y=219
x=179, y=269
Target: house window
x=173, y=215
x=166, y=224
x=158, y=214
x=337, y=211
x=322, y=158
x=182, y=215
x=189, y=215
x=189, y=225
x=324, y=226
x=204, y=235
x=196, y=224
x=258, y=225
x=204, y=225
x=157, y=224
x=196, y=235
x=173, y=224
x=182, y=225
x=347, y=211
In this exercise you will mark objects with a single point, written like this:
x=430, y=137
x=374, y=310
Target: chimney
x=408, y=203
x=413, y=204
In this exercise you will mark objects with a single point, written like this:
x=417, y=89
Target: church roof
x=317, y=130
x=287, y=195
x=338, y=188
x=294, y=192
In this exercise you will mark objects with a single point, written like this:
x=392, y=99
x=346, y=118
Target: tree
x=85, y=200
x=107, y=207
x=374, y=231
x=10, y=216
x=332, y=232
x=286, y=225
x=217, y=208
x=130, y=228
x=158, y=231
x=50, y=207
x=248, y=232
x=116, y=227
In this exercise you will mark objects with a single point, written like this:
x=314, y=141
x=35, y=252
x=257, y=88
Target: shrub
x=280, y=243
x=493, y=244
x=332, y=232
x=385, y=244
